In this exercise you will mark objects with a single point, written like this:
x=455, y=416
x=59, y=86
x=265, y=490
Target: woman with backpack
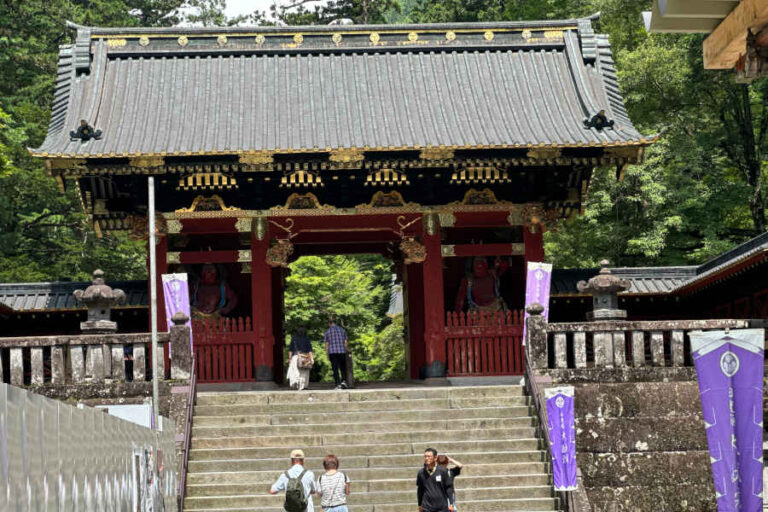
x=333, y=486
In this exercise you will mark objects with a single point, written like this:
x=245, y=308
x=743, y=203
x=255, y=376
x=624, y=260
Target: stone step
x=378, y=405
x=373, y=461
x=447, y=438
x=260, y=501
x=503, y=505
x=403, y=484
x=232, y=476
x=355, y=395
x=342, y=451
x=324, y=429
x=348, y=418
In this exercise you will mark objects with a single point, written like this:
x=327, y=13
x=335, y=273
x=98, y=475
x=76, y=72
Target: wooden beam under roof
x=728, y=41
x=717, y=9
x=655, y=22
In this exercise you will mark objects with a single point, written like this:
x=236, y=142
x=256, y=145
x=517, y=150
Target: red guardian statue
x=480, y=288
x=212, y=296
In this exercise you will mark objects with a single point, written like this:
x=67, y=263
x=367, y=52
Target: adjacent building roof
x=228, y=91
x=24, y=297
x=643, y=280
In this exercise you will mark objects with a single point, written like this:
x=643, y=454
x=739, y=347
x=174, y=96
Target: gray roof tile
x=225, y=101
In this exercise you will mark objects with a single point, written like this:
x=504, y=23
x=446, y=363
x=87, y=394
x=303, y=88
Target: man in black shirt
x=435, y=486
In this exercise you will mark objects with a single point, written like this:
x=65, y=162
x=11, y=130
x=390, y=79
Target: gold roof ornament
x=208, y=204
x=526, y=34
x=436, y=153
x=221, y=40
x=301, y=179
x=308, y=201
x=298, y=39
x=207, y=181
x=385, y=177
x=183, y=41
x=374, y=37
x=488, y=36
x=450, y=35
x=544, y=153
x=259, y=39
x=391, y=199
x=413, y=36
x=257, y=158
x=146, y=161
x=347, y=156
x=116, y=43
x=143, y=41
x=336, y=38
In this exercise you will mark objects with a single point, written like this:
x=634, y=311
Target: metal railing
x=181, y=492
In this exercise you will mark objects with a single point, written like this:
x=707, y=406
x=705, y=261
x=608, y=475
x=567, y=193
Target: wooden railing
x=224, y=348
x=63, y=360
x=484, y=343
x=181, y=491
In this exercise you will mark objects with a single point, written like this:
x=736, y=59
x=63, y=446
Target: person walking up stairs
x=240, y=442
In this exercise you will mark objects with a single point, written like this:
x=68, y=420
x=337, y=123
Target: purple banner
x=562, y=436
x=176, y=294
x=729, y=366
x=537, y=282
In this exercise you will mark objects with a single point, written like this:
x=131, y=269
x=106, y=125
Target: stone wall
x=641, y=445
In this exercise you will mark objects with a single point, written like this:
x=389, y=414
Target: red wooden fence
x=484, y=343
x=224, y=349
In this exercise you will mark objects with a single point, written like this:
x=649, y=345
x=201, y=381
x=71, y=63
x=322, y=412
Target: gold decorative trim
x=173, y=226
x=480, y=197
x=526, y=34
x=346, y=156
x=278, y=254
x=297, y=201
x=436, y=154
x=430, y=223
x=205, y=204
x=221, y=40
x=544, y=153
x=116, y=43
x=146, y=161
x=245, y=268
x=259, y=39
x=257, y=158
x=413, y=251
x=336, y=38
x=413, y=36
x=143, y=41
x=244, y=256
x=447, y=219
x=518, y=249
x=516, y=218
x=243, y=225
x=298, y=39
x=627, y=152
x=642, y=142
x=183, y=41
x=173, y=258
x=391, y=199
x=207, y=181
x=374, y=37
x=259, y=227
x=553, y=34
x=488, y=36
x=66, y=163
x=447, y=251
x=450, y=35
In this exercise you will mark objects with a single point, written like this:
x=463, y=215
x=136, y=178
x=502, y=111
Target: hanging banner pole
x=153, y=304
x=562, y=437
x=729, y=367
x=537, y=284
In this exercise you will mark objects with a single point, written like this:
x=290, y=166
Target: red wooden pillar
x=414, y=291
x=434, y=307
x=278, y=321
x=533, y=237
x=261, y=301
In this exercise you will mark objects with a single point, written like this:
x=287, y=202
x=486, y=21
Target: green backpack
x=295, y=501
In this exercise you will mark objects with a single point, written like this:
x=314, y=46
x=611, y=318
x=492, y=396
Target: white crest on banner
x=729, y=363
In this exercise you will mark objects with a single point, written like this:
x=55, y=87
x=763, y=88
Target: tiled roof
x=643, y=280
x=189, y=91
x=58, y=295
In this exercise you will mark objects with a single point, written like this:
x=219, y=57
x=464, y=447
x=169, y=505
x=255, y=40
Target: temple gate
x=448, y=149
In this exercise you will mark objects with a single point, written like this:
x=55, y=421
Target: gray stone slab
x=638, y=348
x=96, y=356
x=677, y=347
x=603, y=345
x=580, y=349
x=77, y=360
x=561, y=350
x=58, y=370
x=619, y=350
x=17, y=367
x=657, y=348
x=139, y=363
x=118, y=362
x=36, y=364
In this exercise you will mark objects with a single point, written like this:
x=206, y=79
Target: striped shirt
x=333, y=487
x=335, y=337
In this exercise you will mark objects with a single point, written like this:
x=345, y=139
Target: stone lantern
x=604, y=288
x=99, y=298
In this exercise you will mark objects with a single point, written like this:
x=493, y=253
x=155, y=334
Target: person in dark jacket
x=444, y=460
x=434, y=485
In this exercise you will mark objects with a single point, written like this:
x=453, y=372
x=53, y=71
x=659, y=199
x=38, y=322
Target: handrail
x=532, y=388
x=181, y=491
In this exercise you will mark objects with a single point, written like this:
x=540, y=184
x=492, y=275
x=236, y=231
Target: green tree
x=359, y=11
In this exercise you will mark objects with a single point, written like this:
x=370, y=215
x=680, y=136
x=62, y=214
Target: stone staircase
x=241, y=443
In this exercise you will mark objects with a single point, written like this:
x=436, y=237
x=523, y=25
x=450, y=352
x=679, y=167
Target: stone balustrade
x=92, y=358
x=617, y=343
